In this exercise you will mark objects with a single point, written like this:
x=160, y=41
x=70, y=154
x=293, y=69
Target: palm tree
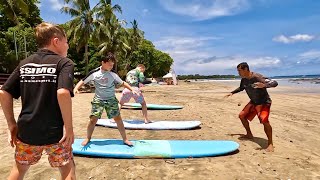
x=100, y=9
x=109, y=34
x=10, y=8
x=135, y=36
x=82, y=26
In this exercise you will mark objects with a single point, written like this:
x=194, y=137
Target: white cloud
x=145, y=12
x=184, y=48
x=312, y=56
x=201, y=10
x=184, y=41
x=195, y=55
x=294, y=38
x=56, y=4
x=226, y=65
x=38, y=5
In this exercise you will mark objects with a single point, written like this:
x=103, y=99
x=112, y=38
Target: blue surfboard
x=114, y=148
x=151, y=106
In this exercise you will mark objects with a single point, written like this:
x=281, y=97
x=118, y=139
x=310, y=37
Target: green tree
x=26, y=45
x=134, y=39
x=161, y=64
x=10, y=8
x=157, y=63
x=13, y=13
x=81, y=26
x=110, y=35
x=4, y=49
x=33, y=18
x=19, y=18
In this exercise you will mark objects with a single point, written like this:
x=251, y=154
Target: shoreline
x=285, y=85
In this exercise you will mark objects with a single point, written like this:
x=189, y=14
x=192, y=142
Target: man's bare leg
x=244, y=120
x=122, y=130
x=268, y=131
x=246, y=125
x=90, y=127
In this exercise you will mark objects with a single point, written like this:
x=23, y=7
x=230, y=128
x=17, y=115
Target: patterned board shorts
x=262, y=111
x=110, y=105
x=127, y=95
x=58, y=154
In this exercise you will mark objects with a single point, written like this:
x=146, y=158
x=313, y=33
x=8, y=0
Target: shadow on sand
x=263, y=143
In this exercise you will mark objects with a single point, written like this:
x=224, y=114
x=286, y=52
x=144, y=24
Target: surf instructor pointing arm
x=256, y=86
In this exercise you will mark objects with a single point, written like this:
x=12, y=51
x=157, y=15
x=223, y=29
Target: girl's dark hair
x=243, y=65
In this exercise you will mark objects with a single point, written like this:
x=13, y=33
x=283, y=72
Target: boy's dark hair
x=107, y=57
x=243, y=65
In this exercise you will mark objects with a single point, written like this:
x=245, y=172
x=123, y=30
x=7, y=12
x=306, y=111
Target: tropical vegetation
x=92, y=31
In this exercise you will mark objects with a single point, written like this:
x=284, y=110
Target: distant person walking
x=135, y=77
x=44, y=81
x=256, y=87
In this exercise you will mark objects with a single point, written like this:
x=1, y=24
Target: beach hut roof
x=169, y=75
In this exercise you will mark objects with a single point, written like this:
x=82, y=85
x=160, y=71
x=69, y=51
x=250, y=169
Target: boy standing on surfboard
x=44, y=81
x=135, y=77
x=105, y=81
x=256, y=87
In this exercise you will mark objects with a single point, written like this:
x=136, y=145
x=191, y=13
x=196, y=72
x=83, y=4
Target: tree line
x=92, y=31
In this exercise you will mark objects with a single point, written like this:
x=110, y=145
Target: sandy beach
x=294, y=118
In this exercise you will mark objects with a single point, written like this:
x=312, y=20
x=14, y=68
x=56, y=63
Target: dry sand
x=294, y=117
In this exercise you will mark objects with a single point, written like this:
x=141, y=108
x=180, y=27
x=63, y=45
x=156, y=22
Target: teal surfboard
x=151, y=106
x=114, y=148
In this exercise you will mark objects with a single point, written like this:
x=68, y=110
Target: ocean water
x=289, y=84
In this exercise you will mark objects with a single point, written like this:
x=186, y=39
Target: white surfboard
x=155, y=125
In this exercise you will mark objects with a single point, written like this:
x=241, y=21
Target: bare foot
x=127, y=142
x=270, y=148
x=147, y=121
x=247, y=136
x=85, y=142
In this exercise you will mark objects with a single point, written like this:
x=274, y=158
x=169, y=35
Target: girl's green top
x=134, y=77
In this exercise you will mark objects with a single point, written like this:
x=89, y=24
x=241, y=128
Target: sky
x=208, y=37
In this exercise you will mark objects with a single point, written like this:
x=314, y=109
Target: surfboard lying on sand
x=155, y=125
x=151, y=106
x=114, y=148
